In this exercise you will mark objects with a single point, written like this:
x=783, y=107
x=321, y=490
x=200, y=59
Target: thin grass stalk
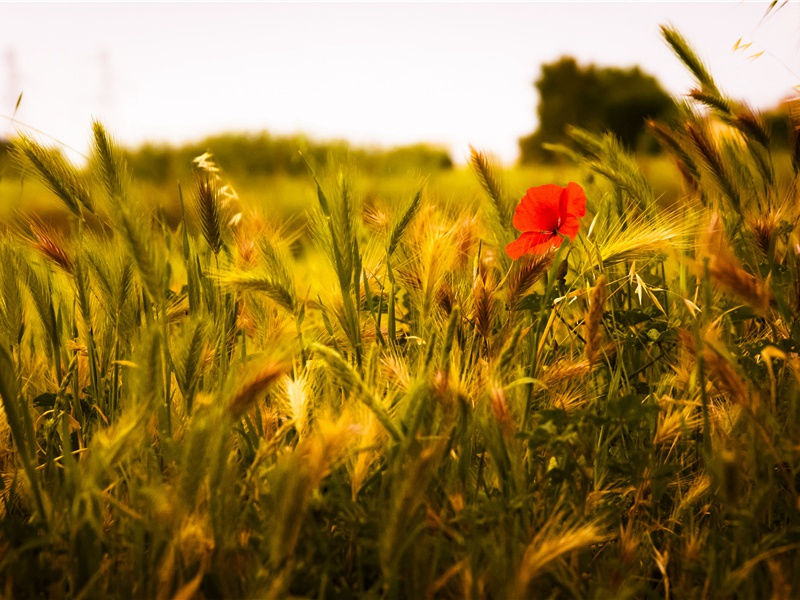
x=82, y=286
x=21, y=424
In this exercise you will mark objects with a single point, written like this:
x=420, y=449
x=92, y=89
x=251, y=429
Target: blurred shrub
x=597, y=99
x=263, y=154
x=246, y=155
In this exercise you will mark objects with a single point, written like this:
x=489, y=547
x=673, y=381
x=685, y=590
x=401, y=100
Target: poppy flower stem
x=548, y=290
x=541, y=320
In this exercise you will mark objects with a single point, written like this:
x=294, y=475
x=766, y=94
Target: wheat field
x=375, y=400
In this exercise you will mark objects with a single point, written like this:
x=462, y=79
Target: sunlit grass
x=341, y=386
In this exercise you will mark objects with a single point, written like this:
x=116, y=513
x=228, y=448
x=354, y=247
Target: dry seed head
x=725, y=269
x=524, y=275
x=574, y=396
x=8, y=479
x=51, y=244
x=765, y=226
x=725, y=417
x=244, y=318
x=662, y=560
x=705, y=136
x=725, y=378
x=217, y=202
x=297, y=400
x=699, y=488
x=642, y=237
x=432, y=258
x=500, y=409
x=205, y=162
x=209, y=211
x=550, y=544
x=483, y=295
x=672, y=422
x=254, y=386
x=178, y=308
x=446, y=298
x=246, y=248
x=375, y=217
x=369, y=333
x=565, y=370
x=76, y=345
x=594, y=318
x=466, y=238
x=483, y=169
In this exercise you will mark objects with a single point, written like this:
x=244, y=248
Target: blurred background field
x=237, y=82
x=413, y=136
x=286, y=196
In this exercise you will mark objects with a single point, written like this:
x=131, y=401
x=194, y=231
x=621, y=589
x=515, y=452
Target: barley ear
x=488, y=179
x=110, y=162
x=208, y=210
x=55, y=172
x=594, y=318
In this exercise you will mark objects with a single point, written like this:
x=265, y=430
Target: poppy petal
x=575, y=200
x=532, y=243
x=539, y=209
x=569, y=227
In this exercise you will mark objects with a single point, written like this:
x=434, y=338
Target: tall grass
x=212, y=410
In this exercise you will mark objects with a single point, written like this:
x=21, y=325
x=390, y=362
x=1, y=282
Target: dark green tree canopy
x=594, y=98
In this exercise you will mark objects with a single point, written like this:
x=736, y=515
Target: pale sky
x=454, y=74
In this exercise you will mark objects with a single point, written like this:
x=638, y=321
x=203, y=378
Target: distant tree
x=594, y=98
x=781, y=121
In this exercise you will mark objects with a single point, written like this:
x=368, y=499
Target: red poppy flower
x=544, y=215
